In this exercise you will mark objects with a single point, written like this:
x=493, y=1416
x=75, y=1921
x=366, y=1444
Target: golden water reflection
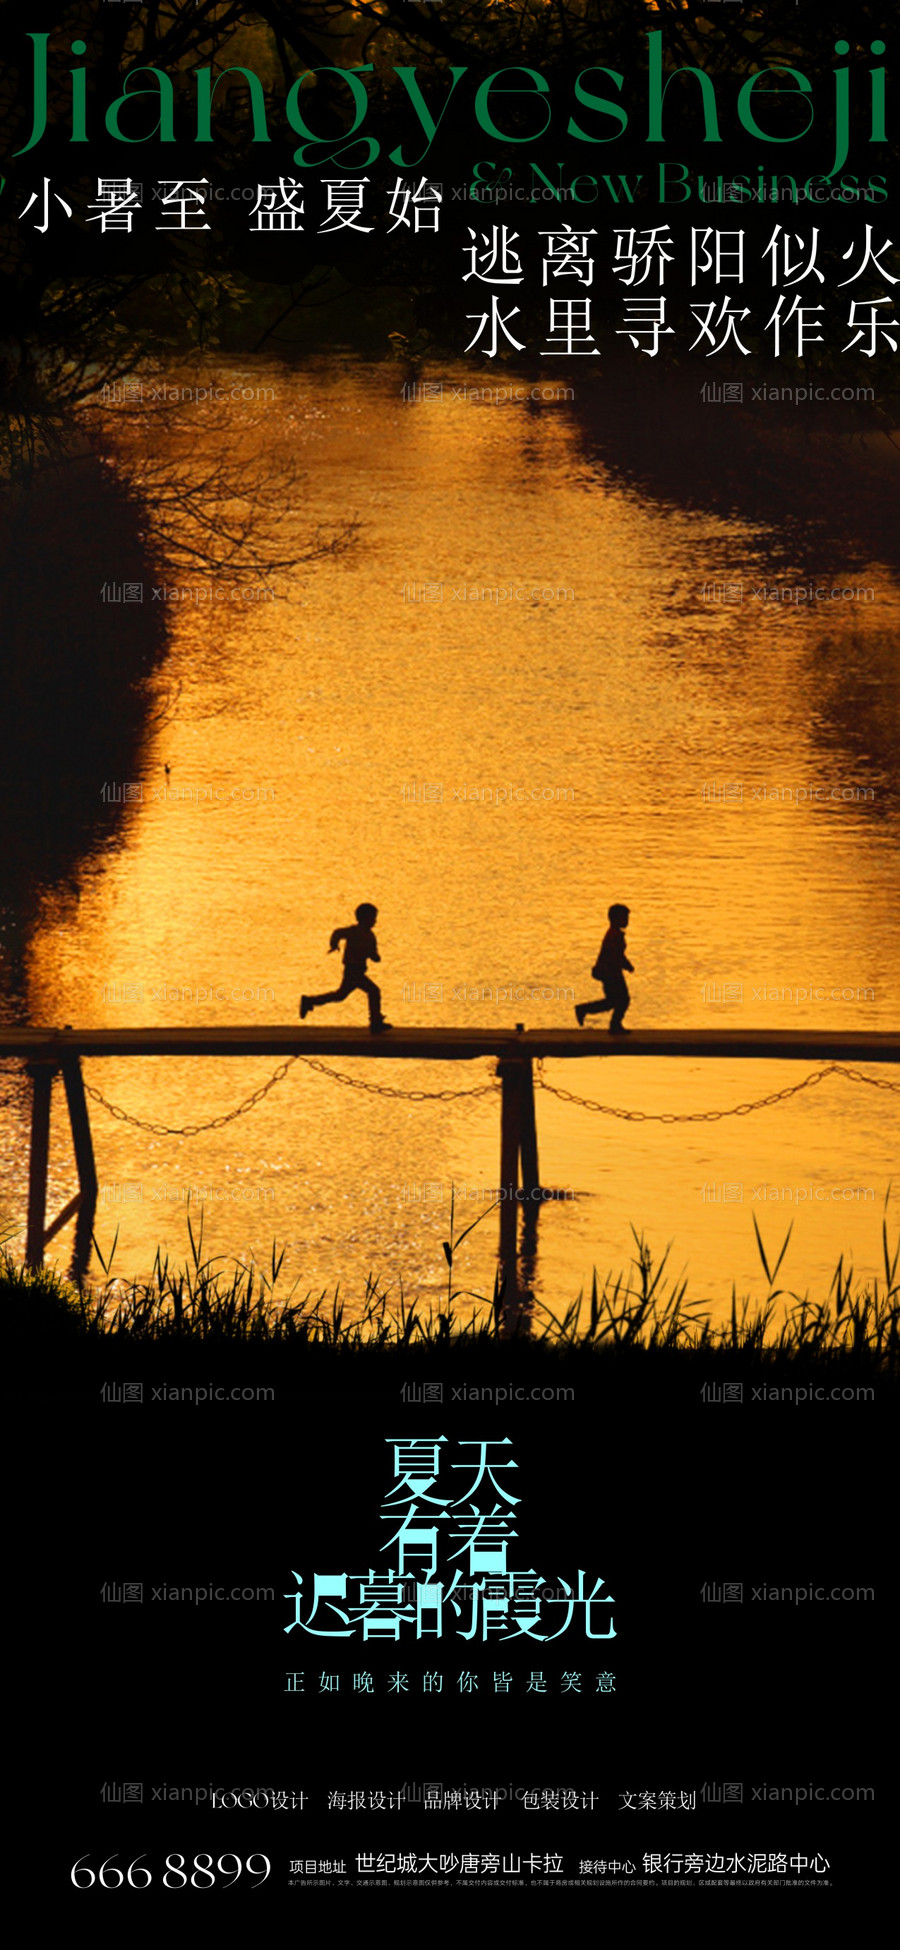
x=492, y=771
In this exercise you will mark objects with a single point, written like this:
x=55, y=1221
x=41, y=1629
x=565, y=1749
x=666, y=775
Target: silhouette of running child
x=360, y=947
x=609, y=969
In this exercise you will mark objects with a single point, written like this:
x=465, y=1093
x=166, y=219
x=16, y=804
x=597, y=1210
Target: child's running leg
x=583, y=1009
x=621, y=1002
x=376, y=1019
x=308, y=1002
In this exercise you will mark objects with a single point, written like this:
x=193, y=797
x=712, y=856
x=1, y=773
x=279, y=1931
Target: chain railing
x=713, y=1116
x=391, y=1090
x=485, y=1090
x=256, y=1097
x=192, y=1130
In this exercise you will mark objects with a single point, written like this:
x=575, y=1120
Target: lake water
x=491, y=771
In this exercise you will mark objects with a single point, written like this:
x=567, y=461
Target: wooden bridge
x=49, y=1052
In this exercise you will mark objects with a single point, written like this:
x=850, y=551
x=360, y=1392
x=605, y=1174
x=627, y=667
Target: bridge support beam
x=518, y=1162
x=41, y=1075
x=531, y=1181
x=84, y=1204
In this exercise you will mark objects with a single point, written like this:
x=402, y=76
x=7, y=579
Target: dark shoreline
x=60, y=1354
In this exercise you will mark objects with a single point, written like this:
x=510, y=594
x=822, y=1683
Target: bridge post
x=38, y=1233
x=510, y=1074
x=531, y=1181
x=41, y=1075
x=84, y=1159
x=81, y=1128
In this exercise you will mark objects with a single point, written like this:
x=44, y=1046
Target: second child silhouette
x=609, y=968
x=360, y=947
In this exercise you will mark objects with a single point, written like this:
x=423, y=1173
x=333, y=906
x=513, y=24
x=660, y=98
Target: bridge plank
x=436, y=1044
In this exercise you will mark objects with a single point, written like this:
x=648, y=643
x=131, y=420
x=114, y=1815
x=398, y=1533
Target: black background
x=658, y=1500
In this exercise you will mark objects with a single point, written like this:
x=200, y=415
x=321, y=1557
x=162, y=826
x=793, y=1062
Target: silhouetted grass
x=210, y=1303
